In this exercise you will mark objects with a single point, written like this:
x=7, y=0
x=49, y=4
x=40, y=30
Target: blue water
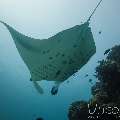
x=18, y=98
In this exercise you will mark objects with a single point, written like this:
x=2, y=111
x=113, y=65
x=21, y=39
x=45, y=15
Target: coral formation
x=106, y=91
x=78, y=111
x=108, y=74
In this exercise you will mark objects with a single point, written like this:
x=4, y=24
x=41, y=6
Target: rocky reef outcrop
x=106, y=91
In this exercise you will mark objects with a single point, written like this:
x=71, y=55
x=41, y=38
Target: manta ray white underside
x=58, y=57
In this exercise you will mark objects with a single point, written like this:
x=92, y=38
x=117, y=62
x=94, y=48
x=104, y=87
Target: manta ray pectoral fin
x=38, y=87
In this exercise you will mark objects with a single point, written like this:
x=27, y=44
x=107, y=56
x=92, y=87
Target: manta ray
x=58, y=57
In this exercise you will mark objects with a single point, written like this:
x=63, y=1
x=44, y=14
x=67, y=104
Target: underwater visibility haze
x=57, y=69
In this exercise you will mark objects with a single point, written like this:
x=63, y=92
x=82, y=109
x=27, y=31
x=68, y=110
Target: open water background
x=41, y=19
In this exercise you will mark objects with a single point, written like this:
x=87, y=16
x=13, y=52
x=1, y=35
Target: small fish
x=86, y=75
x=107, y=51
x=90, y=80
x=94, y=75
x=99, y=61
x=100, y=32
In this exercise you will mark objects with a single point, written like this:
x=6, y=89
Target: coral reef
x=106, y=91
x=108, y=74
x=78, y=111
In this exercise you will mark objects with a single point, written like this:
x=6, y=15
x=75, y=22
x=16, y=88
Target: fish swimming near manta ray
x=55, y=58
